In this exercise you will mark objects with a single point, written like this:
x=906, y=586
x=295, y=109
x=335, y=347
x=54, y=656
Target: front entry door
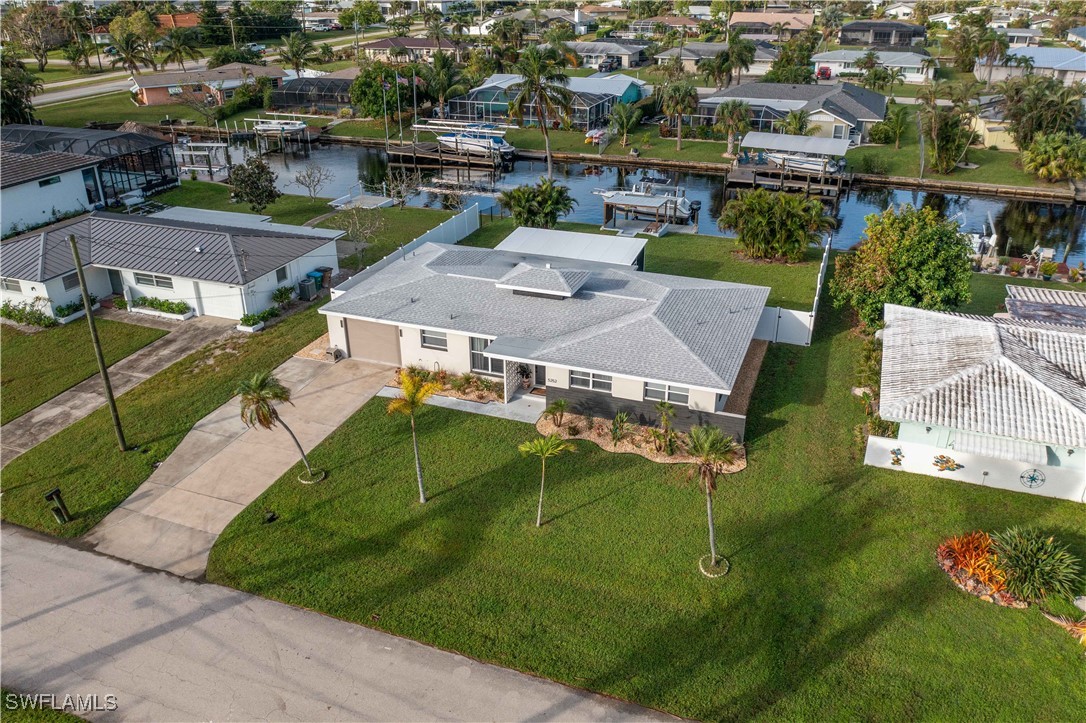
x=541, y=376
x=115, y=282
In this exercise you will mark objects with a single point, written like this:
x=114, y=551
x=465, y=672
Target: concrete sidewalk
x=67, y=408
x=171, y=521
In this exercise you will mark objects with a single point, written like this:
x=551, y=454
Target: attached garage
x=371, y=341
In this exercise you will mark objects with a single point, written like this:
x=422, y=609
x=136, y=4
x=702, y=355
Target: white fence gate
x=790, y=326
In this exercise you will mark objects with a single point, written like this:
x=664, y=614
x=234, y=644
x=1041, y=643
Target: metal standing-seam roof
x=989, y=376
x=795, y=144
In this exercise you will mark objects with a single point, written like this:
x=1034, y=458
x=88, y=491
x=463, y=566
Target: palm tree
x=1056, y=156
x=624, y=118
x=413, y=394
x=796, y=123
x=717, y=69
x=993, y=47
x=178, y=45
x=435, y=29
x=258, y=396
x=732, y=118
x=508, y=31
x=832, y=19
x=680, y=99
x=894, y=76
x=75, y=21
x=741, y=51
x=778, y=30
x=543, y=86
x=897, y=121
x=442, y=79
x=297, y=51
x=544, y=447
x=713, y=452
x=930, y=63
x=131, y=52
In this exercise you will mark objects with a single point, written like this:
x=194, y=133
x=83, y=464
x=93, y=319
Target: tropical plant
x=544, y=88
x=544, y=447
x=283, y=295
x=712, y=452
x=679, y=99
x=414, y=391
x=18, y=86
x=624, y=118
x=896, y=123
x=741, y=52
x=992, y=47
x=253, y=182
x=130, y=53
x=947, y=130
x=620, y=428
x=775, y=226
x=717, y=69
x=1035, y=104
x=179, y=45
x=538, y=206
x=1036, y=565
x=442, y=79
x=297, y=51
x=556, y=411
x=75, y=21
x=796, y=123
x=1056, y=156
x=972, y=554
x=258, y=397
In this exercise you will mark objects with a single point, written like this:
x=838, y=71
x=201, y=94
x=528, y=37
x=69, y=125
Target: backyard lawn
x=401, y=226
x=117, y=108
x=83, y=459
x=990, y=291
x=833, y=604
x=287, y=208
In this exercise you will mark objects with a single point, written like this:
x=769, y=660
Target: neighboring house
x=593, y=98
x=406, y=50
x=38, y=189
x=844, y=61
x=1021, y=37
x=1046, y=305
x=1068, y=65
x=214, y=87
x=539, y=21
x=1003, y=400
x=948, y=20
x=882, y=32
x=606, y=12
x=989, y=124
x=701, y=12
x=224, y=271
x=178, y=20
x=99, y=35
x=1077, y=36
x=770, y=26
x=1042, y=22
x=129, y=162
x=694, y=52
x=603, y=337
x=899, y=11
x=842, y=110
x=646, y=27
x=592, y=53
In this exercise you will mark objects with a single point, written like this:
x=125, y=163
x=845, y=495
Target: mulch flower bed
x=471, y=395
x=970, y=584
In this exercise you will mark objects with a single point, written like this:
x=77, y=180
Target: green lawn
x=118, y=107
x=14, y=714
x=364, y=129
x=646, y=139
x=55, y=72
x=990, y=291
x=708, y=257
x=833, y=609
x=83, y=460
x=287, y=208
x=401, y=226
x=37, y=367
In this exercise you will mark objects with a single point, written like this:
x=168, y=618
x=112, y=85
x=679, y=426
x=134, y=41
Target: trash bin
x=307, y=289
x=326, y=276
x=317, y=277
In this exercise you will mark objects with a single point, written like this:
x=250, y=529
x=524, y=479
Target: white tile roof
x=983, y=375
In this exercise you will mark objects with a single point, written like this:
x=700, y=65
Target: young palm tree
x=413, y=394
x=796, y=123
x=442, y=79
x=179, y=45
x=993, y=47
x=258, y=396
x=897, y=121
x=680, y=99
x=544, y=447
x=543, y=86
x=130, y=54
x=297, y=51
x=713, y=452
x=894, y=77
x=733, y=118
x=624, y=118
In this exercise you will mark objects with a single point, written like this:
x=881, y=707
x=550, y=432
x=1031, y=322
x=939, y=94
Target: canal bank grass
x=832, y=602
x=705, y=257
x=37, y=367
x=989, y=291
x=83, y=459
x=118, y=108
x=288, y=208
x=400, y=226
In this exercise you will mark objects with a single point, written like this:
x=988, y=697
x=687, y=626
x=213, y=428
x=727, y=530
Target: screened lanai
x=762, y=118
x=322, y=94
x=133, y=161
x=490, y=104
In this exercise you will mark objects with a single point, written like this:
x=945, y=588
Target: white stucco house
x=844, y=61
x=44, y=187
x=218, y=270
x=949, y=20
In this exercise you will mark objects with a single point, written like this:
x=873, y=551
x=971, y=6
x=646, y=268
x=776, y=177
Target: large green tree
x=179, y=45
x=442, y=79
x=775, y=226
x=17, y=88
x=253, y=182
x=1033, y=104
x=375, y=90
x=908, y=256
x=297, y=51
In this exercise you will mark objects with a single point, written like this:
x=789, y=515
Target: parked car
x=608, y=65
x=255, y=47
x=823, y=73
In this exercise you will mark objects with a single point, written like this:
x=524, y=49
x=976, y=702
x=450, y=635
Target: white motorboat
x=652, y=201
x=800, y=163
x=476, y=141
x=271, y=127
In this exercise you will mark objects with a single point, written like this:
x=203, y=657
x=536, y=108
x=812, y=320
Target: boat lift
x=201, y=157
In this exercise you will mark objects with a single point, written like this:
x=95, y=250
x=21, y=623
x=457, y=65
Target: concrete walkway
x=67, y=408
x=174, y=650
x=171, y=521
x=523, y=407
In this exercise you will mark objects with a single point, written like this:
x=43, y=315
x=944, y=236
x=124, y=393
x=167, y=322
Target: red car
x=823, y=73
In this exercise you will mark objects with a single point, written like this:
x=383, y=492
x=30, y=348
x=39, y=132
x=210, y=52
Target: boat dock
x=826, y=185
x=432, y=155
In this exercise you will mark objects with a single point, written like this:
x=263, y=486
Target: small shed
x=592, y=247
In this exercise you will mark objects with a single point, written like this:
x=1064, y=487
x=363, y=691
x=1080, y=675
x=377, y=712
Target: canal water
x=1020, y=225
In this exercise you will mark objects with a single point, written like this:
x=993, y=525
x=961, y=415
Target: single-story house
x=594, y=52
x=844, y=61
x=538, y=22
x=225, y=271
x=594, y=247
x=178, y=20
x=882, y=33
x=700, y=12
x=406, y=50
x=647, y=27
x=214, y=86
x=1042, y=22
x=1046, y=305
x=996, y=402
x=948, y=20
x=899, y=11
x=603, y=337
x=770, y=26
x=694, y=52
x=1077, y=36
x=40, y=188
x=606, y=12
x=842, y=110
x=1021, y=37
x=1068, y=65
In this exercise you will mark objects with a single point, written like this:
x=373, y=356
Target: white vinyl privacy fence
x=790, y=326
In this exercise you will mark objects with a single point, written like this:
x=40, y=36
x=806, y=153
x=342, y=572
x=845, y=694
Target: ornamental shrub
x=163, y=305
x=1035, y=564
x=28, y=312
x=68, y=309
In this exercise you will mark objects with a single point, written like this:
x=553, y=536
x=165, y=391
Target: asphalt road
x=75, y=622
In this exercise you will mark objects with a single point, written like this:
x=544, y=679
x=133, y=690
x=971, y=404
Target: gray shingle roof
x=18, y=168
x=984, y=375
x=848, y=101
x=674, y=329
x=221, y=74
x=524, y=277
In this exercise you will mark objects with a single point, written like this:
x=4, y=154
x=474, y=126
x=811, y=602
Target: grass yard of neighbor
x=990, y=292
x=400, y=226
x=118, y=108
x=83, y=459
x=288, y=208
x=37, y=367
x=33, y=715
x=833, y=604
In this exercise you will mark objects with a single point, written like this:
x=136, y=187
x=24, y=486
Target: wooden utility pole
x=97, y=345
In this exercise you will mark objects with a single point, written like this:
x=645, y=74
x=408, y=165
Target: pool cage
x=490, y=104
x=133, y=161
x=321, y=94
x=763, y=117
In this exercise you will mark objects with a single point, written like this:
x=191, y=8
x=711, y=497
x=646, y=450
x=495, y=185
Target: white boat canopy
x=824, y=147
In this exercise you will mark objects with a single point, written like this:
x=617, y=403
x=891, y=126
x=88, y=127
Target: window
x=480, y=362
x=434, y=340
x=71, y=281
x=281, y=275
x=162, y=282
x=48, y=181
x=589, y=380
x=11, y=285
x=667, y=393
x=838, y=131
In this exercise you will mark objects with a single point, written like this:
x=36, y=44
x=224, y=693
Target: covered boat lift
x=789, y=163
x=804, y=153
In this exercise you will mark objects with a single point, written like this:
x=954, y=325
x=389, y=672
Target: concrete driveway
x=173, y=519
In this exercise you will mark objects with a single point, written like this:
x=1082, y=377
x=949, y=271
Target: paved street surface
x=75, y=622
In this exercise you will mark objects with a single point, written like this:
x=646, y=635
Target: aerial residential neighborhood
x=542, y=359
